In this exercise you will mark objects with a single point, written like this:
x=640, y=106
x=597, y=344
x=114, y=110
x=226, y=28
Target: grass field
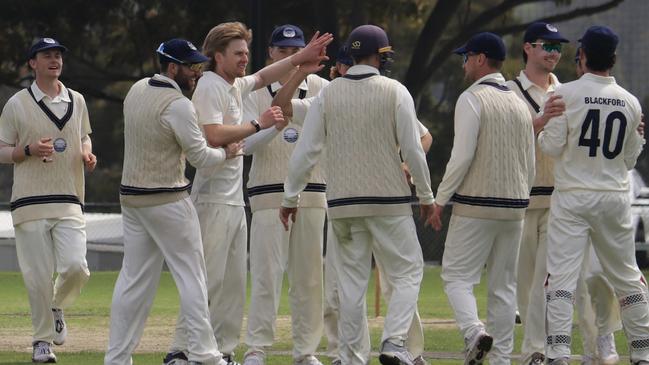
x=88, y=324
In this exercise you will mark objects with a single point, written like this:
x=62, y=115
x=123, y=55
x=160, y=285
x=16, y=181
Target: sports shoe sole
x=482, y=348
x=48, y=361
x=386, y=359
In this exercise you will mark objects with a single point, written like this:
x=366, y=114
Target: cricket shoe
x=392, y=354
x=60, y=328
x=308, y=360
x=254, y=358
x=607, y=351
x=478, y=347
x=535, y=358
x=42, y=353
x=419, y=360
x=229, y=359
x=559, y=361
x=175, y=358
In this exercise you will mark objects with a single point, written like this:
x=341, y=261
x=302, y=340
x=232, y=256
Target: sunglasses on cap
x=196, y=67
x=549, y=47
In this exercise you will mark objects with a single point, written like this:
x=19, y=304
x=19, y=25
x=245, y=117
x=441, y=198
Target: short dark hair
x=596, y=61
x=360, y=58
x=163, y=66
x=495, y=64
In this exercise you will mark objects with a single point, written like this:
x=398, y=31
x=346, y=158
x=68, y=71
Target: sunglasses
x=577, y=56
x=465, y=57
x=549, y=47
x=196, y=67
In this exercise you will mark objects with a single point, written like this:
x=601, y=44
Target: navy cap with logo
x=545, y=31
x=366, y=40
x=287, y=35
x=180, y=51
x=43, y=44
x=600, y=39
x=488, y=43
x=344, y=57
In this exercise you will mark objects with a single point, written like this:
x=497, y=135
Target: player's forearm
x=256, y=141
x=426, y=142
x=86, y=144
x=218, y=135
x=285, y=94
x=6, y=154
x=274, y=72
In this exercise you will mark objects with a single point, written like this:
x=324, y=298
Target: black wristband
x=255, y=123
x=27, y=151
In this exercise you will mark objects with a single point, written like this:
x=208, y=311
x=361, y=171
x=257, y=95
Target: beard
x=184, y=82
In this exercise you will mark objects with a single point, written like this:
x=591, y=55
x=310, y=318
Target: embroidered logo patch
x=291, y=135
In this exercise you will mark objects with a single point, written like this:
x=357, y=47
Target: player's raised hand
x=270, y=117
x=285, y=214
x=314, y=51
x=312, y=66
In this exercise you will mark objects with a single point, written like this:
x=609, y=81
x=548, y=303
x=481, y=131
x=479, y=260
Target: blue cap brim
x=289, y=43
x=554, y=37
x=60, y=47
x=462, y=50
x=197, y=57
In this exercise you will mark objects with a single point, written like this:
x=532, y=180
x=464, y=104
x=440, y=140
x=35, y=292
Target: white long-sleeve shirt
x=595, y=141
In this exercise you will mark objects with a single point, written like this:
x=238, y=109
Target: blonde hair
x=219, y=37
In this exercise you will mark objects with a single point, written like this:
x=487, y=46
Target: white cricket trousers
x=602, y=294
x=530, y=292
x=44, y=246
x=394, y=242
x=224, y=232
x=415, y=340
x=299, y=252
x=605, y=218
x=470, y=244
x=152, y=236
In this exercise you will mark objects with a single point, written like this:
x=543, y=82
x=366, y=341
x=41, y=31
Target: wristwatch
x=27, y=151
x=255, y=123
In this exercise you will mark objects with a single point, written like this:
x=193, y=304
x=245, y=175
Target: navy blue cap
x=488, y=43
x=600, y=39
x=366, y=40
x=545, y=31
x=180, y=51
x=43, y=44
x=344, y=57
x=287, y=35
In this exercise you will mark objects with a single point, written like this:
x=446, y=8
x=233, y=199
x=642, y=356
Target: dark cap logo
x=191, y=46
x=288, y=32
x=551, y=28
x=49, y=40
x=356, y=45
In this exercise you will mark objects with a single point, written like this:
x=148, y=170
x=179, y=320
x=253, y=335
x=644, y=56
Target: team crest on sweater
x=291, y=135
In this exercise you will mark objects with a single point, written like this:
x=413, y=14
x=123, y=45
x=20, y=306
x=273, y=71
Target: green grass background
x=93, y=309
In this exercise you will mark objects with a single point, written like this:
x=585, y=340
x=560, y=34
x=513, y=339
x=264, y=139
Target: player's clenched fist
x=270, y=117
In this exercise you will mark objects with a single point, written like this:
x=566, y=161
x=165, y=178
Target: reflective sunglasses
x=549, y=47
x=196, y=67
x=465, y=57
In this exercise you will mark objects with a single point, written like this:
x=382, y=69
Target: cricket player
x=44, y=132
x=542, y=45
x=488, y=178
x=361, y=120
x=217, y=192
x=273, y=250
x=160, y=222
x=595, y=142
